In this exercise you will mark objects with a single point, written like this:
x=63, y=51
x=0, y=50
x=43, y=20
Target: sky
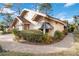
x=63, y=11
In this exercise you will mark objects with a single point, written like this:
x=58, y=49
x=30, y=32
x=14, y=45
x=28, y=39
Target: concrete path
x=6, y=37
x=66, y=43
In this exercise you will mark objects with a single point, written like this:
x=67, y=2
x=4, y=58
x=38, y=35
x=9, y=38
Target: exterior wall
x=36, y=27
x=29, y=15
x=19, y=25
x=57, y=26
x=60, y=27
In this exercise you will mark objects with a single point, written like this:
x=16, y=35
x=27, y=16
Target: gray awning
x=46, y=25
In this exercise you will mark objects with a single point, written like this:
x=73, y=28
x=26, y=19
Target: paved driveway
x=6, y=37
x=7, y=43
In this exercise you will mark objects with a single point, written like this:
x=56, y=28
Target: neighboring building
x=32, y=20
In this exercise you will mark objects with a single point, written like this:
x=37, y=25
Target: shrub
x=32, y=36
x=17, y=34
x=46, y=39
x=76, y=36
x=1, y=50
x=58, y=35
x=71, y=28
x=65, y=31
x=6, y=32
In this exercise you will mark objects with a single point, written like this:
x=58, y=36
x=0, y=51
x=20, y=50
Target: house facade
x=32, y=20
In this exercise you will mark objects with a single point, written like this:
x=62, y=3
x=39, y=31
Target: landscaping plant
x=58, y=35
x=32, y=36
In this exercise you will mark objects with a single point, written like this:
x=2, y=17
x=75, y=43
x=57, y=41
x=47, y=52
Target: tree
x=7, y=19
x=2, y=28
x=76, y=20
x=44, y=7
x=8, y=5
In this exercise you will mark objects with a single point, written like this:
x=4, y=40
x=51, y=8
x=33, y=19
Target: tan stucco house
x=32, y=20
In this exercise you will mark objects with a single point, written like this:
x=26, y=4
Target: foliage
x=1, y=49
x=8, y=53
x=76, y=36
x=33, y=36
x=71, y=28
x=7, y=19
x=44, y=7
x=15, y=32
x=65, y=31
x=8, y=5
x=58, y=35
x=5, y=32
x=47, y=39
x=2, y=28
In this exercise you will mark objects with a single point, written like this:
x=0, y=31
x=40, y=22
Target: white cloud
x=10, y=11
x=70, y=20
x=69, y=4
x=62, y=16
x=7, y=10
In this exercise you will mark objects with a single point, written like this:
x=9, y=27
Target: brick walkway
x=66, y=43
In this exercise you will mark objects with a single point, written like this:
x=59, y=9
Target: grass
x=14, y=54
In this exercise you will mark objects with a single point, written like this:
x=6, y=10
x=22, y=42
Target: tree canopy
x=44, y=7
